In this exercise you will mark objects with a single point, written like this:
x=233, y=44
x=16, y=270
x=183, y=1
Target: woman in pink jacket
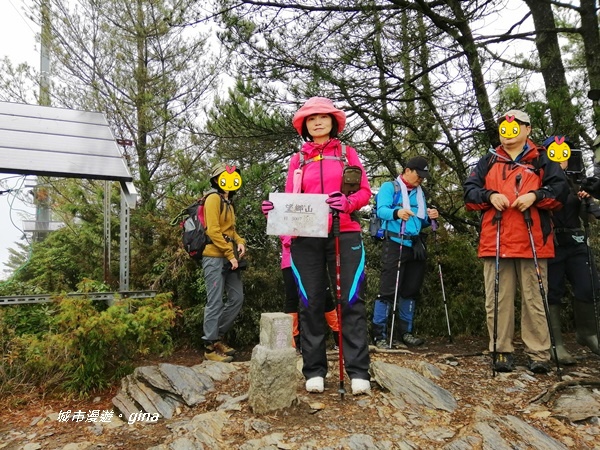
x=292, y=299
x=320, y=164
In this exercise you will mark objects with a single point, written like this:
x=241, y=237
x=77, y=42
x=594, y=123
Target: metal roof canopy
x=66, y=143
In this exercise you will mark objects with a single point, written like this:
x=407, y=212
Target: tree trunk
x=591, y=43
x=562, y=111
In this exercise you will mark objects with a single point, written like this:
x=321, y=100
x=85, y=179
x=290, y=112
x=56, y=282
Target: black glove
x=591, y=185
x=419, y=249
x=593, y=209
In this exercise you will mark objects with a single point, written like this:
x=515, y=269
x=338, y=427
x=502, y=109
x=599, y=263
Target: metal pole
x=338, y=296
x=107, y=231
x=529, y=222
x=434, y=227
x=402, y=228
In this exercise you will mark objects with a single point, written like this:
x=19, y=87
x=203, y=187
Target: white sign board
x=298, y=215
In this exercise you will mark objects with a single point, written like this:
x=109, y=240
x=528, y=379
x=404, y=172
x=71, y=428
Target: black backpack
x=193, y=228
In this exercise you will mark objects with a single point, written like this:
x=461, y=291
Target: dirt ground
x=466, y=374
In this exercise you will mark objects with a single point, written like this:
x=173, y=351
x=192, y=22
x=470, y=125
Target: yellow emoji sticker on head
x=559, y=150
x=509, y=127
x=230, y=179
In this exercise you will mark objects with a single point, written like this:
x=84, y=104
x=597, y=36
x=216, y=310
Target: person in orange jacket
x=515, y=177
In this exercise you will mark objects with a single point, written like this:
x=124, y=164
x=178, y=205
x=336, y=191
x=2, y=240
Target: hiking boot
x=398, y=344
x=217, y=356
x=411, y=340
x=564, y=357
x=381, y=343
x=315, y=384
x=360, y=386
x=505, y=362
x=539, y=366
x=585, y=319
x=223, y=348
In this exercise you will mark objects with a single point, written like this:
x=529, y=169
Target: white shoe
x=360, y=386
x=314, y=384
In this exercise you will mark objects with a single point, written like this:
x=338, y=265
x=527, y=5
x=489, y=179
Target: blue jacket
x=386, y=208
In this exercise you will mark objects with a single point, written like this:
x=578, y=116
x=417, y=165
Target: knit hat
x=519, y=115
x=318, y=105
x=419, y=164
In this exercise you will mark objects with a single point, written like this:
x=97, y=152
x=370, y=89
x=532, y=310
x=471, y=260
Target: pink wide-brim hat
x=318, y=105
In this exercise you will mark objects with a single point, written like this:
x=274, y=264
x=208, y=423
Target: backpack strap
x=202, y=219
x=342, y=158
x=395, y=200
x=397, y=192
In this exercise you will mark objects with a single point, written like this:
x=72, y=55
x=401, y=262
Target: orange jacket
x=498, y=173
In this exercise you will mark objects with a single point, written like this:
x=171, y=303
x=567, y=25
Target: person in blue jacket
x=403, y=211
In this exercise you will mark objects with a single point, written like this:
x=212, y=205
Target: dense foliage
x=77, y=345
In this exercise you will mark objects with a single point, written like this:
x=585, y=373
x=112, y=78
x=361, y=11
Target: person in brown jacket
x=222, y=263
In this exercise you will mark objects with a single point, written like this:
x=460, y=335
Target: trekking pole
x=498, y=219
x=402, y=228
x=593, y=276
x=338, y=297
x=529, y=222
x=434, y=227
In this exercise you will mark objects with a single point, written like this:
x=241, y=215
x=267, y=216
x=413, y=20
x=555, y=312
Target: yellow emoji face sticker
x=559, y=150
x=509, y=128
x=230, y=179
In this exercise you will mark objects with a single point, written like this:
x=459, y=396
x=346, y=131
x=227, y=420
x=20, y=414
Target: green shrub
x=462, y=273
x=86, y=348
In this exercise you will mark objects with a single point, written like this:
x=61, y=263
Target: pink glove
x=338, y=201
x=266, y=207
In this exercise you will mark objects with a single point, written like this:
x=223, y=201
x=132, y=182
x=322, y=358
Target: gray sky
x=17, y=42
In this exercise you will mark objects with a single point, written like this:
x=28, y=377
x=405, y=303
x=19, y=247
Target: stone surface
x=275, y=331
x=410, y=387
x=153, y=376
x=492, y=432
x=186, y=383
x=163, y=389
x=217, y=371
x=150, y=400
x=273, y=379
x=577, y=403
x=124, y=404
x=273, y=375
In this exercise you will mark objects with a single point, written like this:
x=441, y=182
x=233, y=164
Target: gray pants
x=219, y=316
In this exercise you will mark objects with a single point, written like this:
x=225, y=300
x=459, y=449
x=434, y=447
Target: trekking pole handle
x=403, y=228
x=335, y=223
x=434, y=224
x=527, y=216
